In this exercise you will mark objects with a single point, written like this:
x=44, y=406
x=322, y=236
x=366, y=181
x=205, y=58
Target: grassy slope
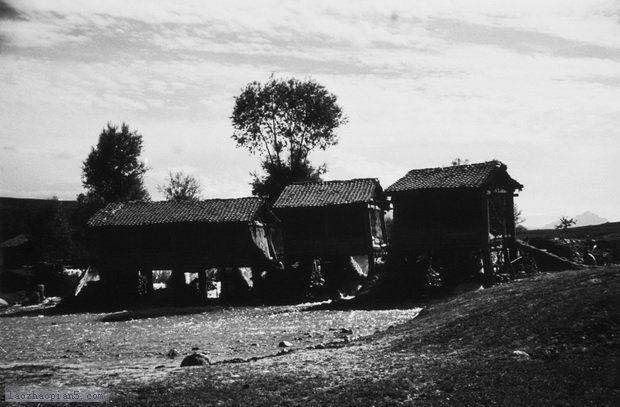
x=457, y=352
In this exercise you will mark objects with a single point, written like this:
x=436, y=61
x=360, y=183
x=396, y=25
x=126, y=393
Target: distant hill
x=16, y=214
x=605, y=231
x=585, y=219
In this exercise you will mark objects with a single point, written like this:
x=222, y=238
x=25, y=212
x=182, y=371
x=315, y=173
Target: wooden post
x=202, y=285
x=510, y=225
x=149, y=280
x=178, y=282
x=371, y=248
x=488, y=267
x=485, y=249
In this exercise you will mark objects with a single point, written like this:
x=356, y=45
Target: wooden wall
x=451, y=218
x=178, y=246
x=327, y=231
x=439, y=218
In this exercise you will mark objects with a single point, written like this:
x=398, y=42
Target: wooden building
x=333, y=220
x=466, y=207
x=185, y=237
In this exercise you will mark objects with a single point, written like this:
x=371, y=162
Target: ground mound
x=551, y=339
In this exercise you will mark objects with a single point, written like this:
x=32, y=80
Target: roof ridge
x=185, y=201
x=333, y=181
x=476, y=175
x=480, y=164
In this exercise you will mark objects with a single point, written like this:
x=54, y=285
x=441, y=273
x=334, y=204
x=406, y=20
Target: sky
x=534, y=84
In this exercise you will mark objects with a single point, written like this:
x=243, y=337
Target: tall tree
x=181, y=187
x=113, y=171
x=51, y=232
x=283, y=121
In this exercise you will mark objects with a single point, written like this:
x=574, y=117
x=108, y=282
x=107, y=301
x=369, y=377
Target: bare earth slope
x=552, y=339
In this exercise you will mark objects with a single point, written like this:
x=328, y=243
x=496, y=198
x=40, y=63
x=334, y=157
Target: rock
x=196, y=359
x=3, y=303
x=172, y=353
x=285, y=344
x=160, y=366
x=519, y=354
x=319, y=346
x=595, y=281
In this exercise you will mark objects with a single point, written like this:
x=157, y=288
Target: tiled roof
x=149, y=213
x=458, y=176
x=328, y=193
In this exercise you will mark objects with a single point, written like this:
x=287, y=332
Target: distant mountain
x=585, y=219
x=588, y=218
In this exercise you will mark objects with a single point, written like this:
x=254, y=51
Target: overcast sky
x=535, y=84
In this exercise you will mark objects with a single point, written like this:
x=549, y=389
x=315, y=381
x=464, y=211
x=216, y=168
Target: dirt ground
x=548, y=339
x=132, y=346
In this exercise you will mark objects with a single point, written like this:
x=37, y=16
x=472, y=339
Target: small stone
x=172, y=353
x=196, y=359
x=195, y=348
x=346, y=331
x=319, y=346
x=160, y=366
x=519, y=354
x=285, y=344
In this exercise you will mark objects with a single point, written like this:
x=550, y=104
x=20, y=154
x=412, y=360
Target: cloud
x=422, y=82
x=518, y=39
x=8, y=12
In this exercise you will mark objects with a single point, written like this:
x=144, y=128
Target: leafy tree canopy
x=113, y=171
x=181, y=187
x=286, y=119
x=282, y=121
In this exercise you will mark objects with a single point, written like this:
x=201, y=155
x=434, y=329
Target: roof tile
x=328, y=193
x=165, y=212
x=458, y=176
